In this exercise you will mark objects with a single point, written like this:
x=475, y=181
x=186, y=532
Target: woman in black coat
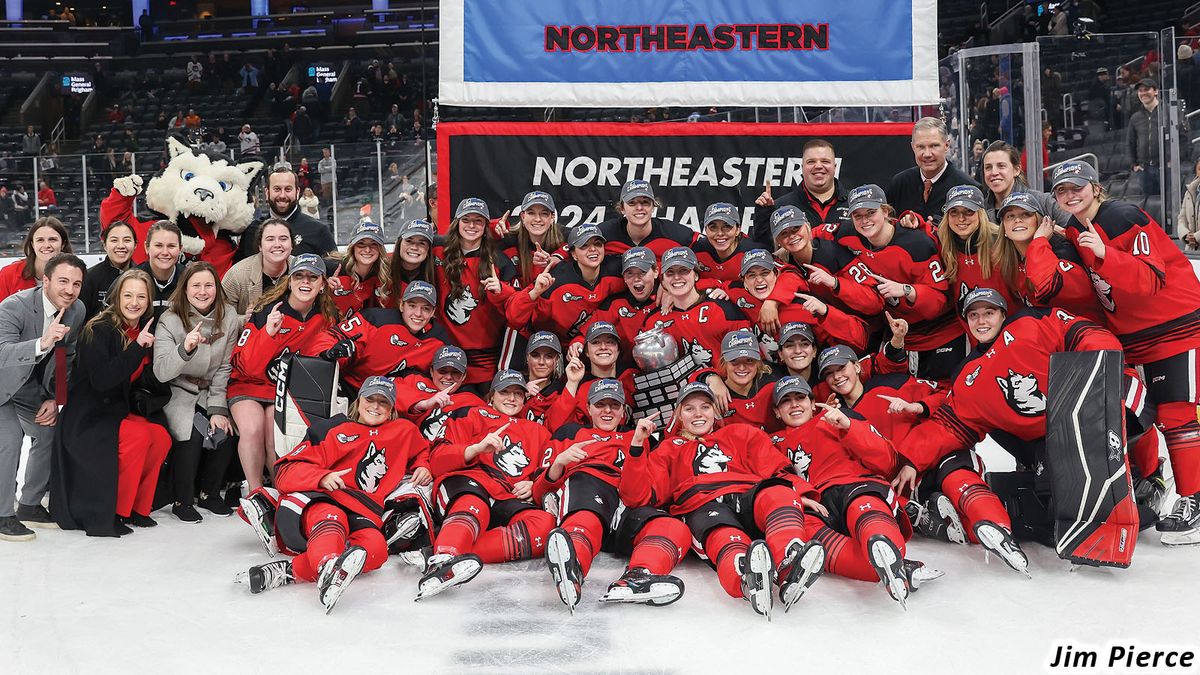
x=107, y=457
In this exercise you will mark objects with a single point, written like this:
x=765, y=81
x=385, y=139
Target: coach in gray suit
x=37, y=339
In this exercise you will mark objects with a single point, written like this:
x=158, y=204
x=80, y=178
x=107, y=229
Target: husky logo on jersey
x=343, y=438
x=574, y=329
x=433, y=426
x=397, y=342
x=620, y=460
x=974, y=374
x=1103, y=291
x=1022, y=394
x=511, y=458
x=459, y=309
x=744, y=303
x=626, y=313
x=801, y=460
x=371, y=468
x=710, y=459
x=767, y=343
x=571, y=297
x=700, y=355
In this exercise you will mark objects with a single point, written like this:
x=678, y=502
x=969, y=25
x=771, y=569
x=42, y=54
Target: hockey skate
x=996, y=539
x=261, y=519
x=638, y=585
x=799, y=570
x=564, y=567
x=917, y=573
x=267, y=576
x=418, y=558
x=445, y=571
x=889, y=565
x=1182, y=527
x=337, y=573
x=757, y=572
x=401, y=529
x=936, y=518
x=1149, y=494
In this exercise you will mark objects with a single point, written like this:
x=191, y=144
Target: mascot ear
x=176, y=147
x=251, y=169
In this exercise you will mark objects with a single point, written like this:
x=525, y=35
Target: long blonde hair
x=279, y=292
x=381, y=269
x=986, y=239
x=111, y=315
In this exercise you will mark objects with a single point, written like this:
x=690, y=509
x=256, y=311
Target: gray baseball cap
x=450, y=356
x=537, y=197
x=634, y=189
x=507, y=378
x=869, y=196
x=791, y=384
x=582, y=234
x=786, y=217
x=837, y=355
x=472, y=205
x=1075, y=173
x=605, y=390
x=599, y=328
x=307, y=262
x=966, y=196
x=680, y=256
x=796, y=329
x=989, y=295
x=378, y=384
x=420, y=290
x=694, y=388
x=1020, y=200
x=367, y=230
x=543, y=338
x=722, y=211
x=739, y=344
x=416, y=228
x=757, y=258
x=639, y=257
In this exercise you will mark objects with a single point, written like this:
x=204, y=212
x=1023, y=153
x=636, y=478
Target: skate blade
x=559, y=555
x=813, y=564
x=660, y=594
x=992, y=541
x=254, y=519
x=758, y=563
x=460, y=573
x=954, y=527
x=349, y=568
x=1179, y=539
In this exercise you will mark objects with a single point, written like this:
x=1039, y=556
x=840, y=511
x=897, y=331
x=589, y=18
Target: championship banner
x=691, y=165
x=653, y=53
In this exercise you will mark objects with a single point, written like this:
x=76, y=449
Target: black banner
x=690, y=165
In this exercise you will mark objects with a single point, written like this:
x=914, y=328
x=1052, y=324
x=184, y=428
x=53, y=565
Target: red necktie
x=60, y=374
x=928, y=188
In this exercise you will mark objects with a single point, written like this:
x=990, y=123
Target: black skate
x=564, y=567
x=1182, y=527
x=401, y=529
x=260, y=515
x=444, y=571
x=936, y=518
x=638, y=585
x=917, y=573
x=267, y=576
x=337, y=573
x=757, y=572
x=1149, y=494
x=799, y=570
x=889, y=565
x=996, y=539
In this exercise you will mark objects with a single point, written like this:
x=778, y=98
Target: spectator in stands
x=178, y=121
x=1052, y=81
x=45, y=239
x=309, y=204
x=195, y=71
x=1100, y=100
x=1143, y=134
x=922, y=189
x=311, y=98
x=162, y=122
x=353, y=126
x=393, y=139
x=249, y=75
x=126, y=166
x=146, y=25
x=119, y=240
x=377, y=134
x=249, y=142
x=1189, y=213
x=68, y=16
x=431, y=203
x=394, y=118
x=192, y=121
x=115, y=114
x=248, y=279
x=98, y=145
x=281, y=102
x=309, y=234
x=303, y=178
x=47, y=201
x=1126, y=94
x=416, y=132
x=303, y=128
x=31, y=142
x=326, y=168
x=129, y=140
x=7, y=214
x=976, y=164
x=1185, y=76
x=21, y=208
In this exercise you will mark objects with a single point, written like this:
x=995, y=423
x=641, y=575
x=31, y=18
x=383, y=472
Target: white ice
x=163, y=601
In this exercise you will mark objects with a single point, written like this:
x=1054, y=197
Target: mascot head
x=204, y=188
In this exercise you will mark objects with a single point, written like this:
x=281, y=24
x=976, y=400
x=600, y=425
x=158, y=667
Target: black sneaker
x=120, y=529
x=233, y=494
x=35, y=516
x=138, y=520
x=216, y=506
x=11, y=529
x=186, y=513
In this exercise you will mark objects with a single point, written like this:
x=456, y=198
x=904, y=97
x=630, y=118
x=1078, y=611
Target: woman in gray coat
x=191, y=353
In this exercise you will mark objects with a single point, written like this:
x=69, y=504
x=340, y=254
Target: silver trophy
x=654, y=349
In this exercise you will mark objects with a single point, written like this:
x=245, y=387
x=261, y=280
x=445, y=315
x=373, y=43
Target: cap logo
x=1068, y=168
x=782, y=214
x=739, y=341
x=860, y=193
x=958, y=192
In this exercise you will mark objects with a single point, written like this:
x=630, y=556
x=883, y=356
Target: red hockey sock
x=777, y=512
x=524, y=537
x=843, y=557
x=869, y=516
x=586, y=533
x=1182, y=433
x=722, y=547
x=376, y=546
x=660, y=545
x=325, y=526
x=974, y=501
x=1144, y=452
x=467, y=517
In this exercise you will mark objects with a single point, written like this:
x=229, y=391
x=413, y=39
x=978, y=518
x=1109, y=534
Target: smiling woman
x=47, y=237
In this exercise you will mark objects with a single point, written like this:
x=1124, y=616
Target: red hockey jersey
x=605, y=457
x=664, y=236
x=569, y=303
x=256, y=355
x=526, y=445
x=385, y=346
x=474, y=319
x=826, y=456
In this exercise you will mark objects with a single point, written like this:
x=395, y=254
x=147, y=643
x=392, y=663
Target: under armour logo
x=373, y=432
x=864, y=507
x=473, y=509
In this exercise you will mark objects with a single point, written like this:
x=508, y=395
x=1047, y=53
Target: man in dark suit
x=922, y=189
x=309, y=235
x=38, y=328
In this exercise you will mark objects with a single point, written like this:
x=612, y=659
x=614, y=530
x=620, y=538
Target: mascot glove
x=129, y=186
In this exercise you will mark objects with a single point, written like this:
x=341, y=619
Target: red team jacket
x=256, y=355
x=567, y=409
x=722, y=270
x=834, y=327
x=351, y=299
x=385, y=346
x=900, y=385
x=525, y=446
x=826, y=456
x=569, y=303
x=605, y=457
x=1053, y=275
x=699, y=329
x=664, y=236
x=474, y=319
x=415, y=387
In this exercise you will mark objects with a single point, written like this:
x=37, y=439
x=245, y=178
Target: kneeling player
x=586, y=478
x=485, y=465
x=846, y=459
x=727, y=483
x=334, y=485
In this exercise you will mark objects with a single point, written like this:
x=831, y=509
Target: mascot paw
x=129, y=186
x=192, y=245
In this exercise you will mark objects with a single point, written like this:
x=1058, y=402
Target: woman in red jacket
x=412, y=258
x=543, y=373
x=727, y=483
x=334, y=486
x=364, y=279
x=485, y=466
x=393, y=342
x=969, y=243
x=427, y=399
x=532, y=246
x=293, y=318
x=47, y=237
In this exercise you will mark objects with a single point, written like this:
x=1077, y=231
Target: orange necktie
x=928, y=188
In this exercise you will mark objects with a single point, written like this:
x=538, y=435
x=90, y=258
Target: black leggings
x=194, y=468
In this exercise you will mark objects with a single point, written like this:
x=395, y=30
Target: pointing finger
x=338, y=271
x=767, y=187
x=890, y=318
x=149, y=323
x=501, y=429
x=277, y=306
x=343, y=472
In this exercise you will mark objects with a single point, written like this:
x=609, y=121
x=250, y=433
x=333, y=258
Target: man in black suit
x=309, y=235
x=922, y=189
